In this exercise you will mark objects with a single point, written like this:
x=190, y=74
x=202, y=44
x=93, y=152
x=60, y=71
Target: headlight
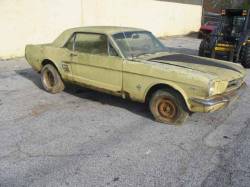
x=211, y=89
x=217, y=87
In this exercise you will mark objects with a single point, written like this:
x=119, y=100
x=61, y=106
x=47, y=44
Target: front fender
x=184, y=92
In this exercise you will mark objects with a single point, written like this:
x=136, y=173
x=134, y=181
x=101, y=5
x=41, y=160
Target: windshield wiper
x=143, y=54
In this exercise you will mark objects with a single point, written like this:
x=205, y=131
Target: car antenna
x=128, y=45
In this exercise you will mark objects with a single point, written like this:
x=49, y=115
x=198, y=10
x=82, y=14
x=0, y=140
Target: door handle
x=73, y=54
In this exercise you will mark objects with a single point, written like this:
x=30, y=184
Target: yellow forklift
x=231, y=40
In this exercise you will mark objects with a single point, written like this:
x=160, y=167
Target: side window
x=70, y=43
x=91, y=43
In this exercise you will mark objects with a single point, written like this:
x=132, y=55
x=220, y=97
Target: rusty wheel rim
x=167, y=109
x=49, y=79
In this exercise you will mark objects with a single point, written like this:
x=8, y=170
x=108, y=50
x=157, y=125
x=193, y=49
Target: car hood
x=217, y=68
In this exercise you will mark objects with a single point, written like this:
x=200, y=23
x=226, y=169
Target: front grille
x=234, y=83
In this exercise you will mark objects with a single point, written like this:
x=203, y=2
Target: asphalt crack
x=29, y=155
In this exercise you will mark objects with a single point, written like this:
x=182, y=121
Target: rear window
x=70, y=43
x=91, y=43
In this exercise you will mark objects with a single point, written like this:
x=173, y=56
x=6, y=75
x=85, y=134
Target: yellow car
x=133, y=63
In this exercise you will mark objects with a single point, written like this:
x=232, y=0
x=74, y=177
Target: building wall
x=34, y=21
x=160, y=17
x=40, y=21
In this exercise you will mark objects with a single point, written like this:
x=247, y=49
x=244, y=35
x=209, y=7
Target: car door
x=93, y=64
x=65, y=56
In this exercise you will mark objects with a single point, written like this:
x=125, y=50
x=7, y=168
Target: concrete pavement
x=84, y=138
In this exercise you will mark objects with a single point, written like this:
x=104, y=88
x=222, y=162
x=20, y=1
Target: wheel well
x=153, y=89
x=47, y=61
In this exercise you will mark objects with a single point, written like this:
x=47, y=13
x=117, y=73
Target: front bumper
x=219, y=101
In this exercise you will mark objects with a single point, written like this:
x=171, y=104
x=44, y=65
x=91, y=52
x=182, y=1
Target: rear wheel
x=246, y=57
x=231, y=56
x=202, y=49
x=200, y=35
x=168, y=107
x=51, y=79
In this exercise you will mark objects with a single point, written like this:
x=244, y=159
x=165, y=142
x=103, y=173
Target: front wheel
x=51, y=79
x=168, y=107
x=246, y=57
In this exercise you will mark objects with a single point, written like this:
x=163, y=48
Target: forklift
x=231, y=39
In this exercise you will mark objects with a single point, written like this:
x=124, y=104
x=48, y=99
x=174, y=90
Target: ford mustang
x=134, y=64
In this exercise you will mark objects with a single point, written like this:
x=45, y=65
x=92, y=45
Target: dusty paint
x=135, y=78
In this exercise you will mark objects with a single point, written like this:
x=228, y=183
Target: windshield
x=134, y=44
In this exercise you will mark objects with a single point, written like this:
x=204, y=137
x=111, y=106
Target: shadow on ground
x=31, y=75
x=84, y=93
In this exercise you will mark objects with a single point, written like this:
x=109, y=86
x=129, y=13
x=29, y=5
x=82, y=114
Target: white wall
x=40, y=21
x=160, y=17
x=34, y=21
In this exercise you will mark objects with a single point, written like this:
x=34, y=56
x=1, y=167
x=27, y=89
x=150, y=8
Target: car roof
x=104, y=29
x=108, y=30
